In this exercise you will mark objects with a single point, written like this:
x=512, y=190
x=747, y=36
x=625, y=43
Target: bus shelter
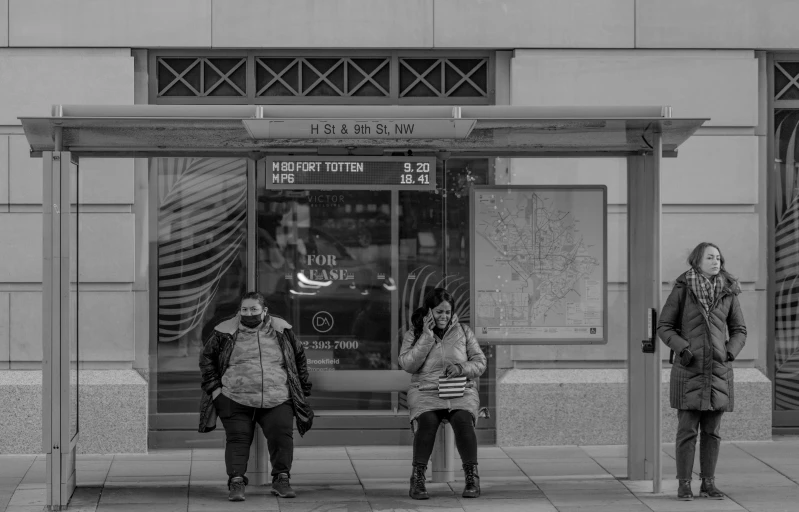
x=397, y=134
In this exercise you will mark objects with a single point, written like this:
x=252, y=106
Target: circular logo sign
x=322, y=321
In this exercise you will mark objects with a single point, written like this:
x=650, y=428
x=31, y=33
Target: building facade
x=163, y=242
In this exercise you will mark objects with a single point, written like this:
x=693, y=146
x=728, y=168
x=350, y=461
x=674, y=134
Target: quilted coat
x=706, y=384
x=215, y=358
x=426, y=359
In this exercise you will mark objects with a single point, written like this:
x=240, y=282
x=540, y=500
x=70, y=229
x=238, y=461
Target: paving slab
x=324, y=479
x=37, y=508
x=591, y=497
x=141, y=507
x=28, y=498
x=394, y=489
x=380, y=452
x=551, y=484
x=10, y=481
x=320, y=466
x=343, y=506
x=219, y=502
x=32, y=486
x=616, y=466
x=490, y=452
x=545, y=452
x=605, y=450
x=208, y=454
x=498, y=492
x=614, y=507
x=507, y=505
x=758, y=477
x=15, y=466
x=91, y=479
x=671, y=504
x=156, y=467
x=329, y=493
x=139, y=482
x=434, y=504
x=576, y=467
x=144, y=494
x=321, y=453
x=81, y=457
x=166, y=455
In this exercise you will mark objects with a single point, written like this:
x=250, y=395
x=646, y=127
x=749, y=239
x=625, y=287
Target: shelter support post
x=644, y=281
x=259, y=469
x=60, y=465
x=442, y=461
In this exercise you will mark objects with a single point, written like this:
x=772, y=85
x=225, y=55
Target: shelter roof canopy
x=219, y=130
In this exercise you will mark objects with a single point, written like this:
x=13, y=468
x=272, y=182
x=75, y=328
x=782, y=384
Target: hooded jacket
x=215, y=359
x=706, y=383
x=426, y=358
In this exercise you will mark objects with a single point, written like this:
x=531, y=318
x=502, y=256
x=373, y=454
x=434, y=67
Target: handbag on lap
x=451, y=387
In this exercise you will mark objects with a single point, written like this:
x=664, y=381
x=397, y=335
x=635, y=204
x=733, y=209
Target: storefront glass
x=202, y=234
x=345, y=268
x=786, y=270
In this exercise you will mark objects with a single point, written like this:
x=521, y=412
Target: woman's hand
x=686, y=357
x=215, y=393
x=429, y=323
x=453, y=370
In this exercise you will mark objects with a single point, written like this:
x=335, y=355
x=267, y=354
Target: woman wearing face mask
x=254, y=371
x=701, y=309
x=439, y=346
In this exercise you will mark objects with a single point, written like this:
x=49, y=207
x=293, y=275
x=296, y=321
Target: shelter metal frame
x=641, y=134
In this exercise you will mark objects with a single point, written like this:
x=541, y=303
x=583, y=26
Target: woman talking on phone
x=444, y=358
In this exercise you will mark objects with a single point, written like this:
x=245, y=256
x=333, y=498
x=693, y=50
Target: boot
x=418, y=490
x=236, y=487
x=281, y=486
x=709, y=490
x=472, y=487
x=684, y=492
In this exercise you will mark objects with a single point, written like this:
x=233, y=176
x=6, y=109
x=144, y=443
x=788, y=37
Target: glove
x=686, y=357
x=453, y=370
x=730, y=357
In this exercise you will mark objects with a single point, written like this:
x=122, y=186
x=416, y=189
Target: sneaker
x=236, y=487
x=281, y=486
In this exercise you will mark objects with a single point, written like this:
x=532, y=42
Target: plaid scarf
x=706, y=290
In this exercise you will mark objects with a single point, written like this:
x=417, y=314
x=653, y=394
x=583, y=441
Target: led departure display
x=352, y=173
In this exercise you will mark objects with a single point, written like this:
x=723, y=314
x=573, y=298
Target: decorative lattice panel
x=323, y=76
x=443, y=78
x=202, y=77
x=254, y=77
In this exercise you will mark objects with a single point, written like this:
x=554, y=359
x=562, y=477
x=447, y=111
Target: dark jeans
x=427, y=427
x=239, y=422
x=709, y=442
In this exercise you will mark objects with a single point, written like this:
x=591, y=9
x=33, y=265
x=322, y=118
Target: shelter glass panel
x=786, y=271
x=202, y=266
x=74, y=299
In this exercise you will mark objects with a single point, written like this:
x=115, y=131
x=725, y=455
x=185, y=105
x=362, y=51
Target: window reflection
x=324, y=260
x=202, y=232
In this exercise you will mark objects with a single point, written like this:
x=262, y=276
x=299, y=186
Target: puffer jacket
x=215, y=359
x=426, y=359
x=707, y=382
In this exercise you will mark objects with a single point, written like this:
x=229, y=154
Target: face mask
x=251, y=321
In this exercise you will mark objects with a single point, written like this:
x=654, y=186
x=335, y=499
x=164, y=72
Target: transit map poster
x=539, y=264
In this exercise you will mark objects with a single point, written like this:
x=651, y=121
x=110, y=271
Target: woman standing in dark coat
x=254, y=371
x=701, y=310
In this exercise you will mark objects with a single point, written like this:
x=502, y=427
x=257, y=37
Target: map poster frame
x=582, y=323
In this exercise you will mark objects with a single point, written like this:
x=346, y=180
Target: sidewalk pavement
x=757, y=476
